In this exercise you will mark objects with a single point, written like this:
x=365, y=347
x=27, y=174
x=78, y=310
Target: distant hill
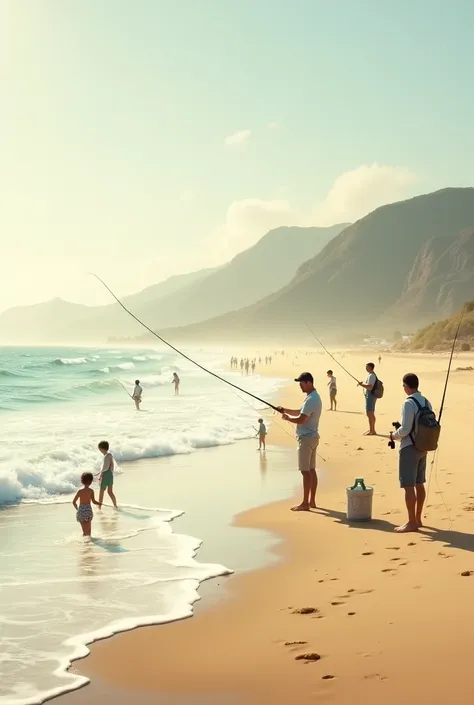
x=404, y=262
x=249, y=276
x=440, y=334
x=59, y=320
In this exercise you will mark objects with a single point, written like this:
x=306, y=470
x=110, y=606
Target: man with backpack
x=373, y=391
x=418, y=433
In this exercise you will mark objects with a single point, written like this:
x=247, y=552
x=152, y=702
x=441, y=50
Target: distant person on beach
x=253, y=367
x=307, y=434
x=412, y=462
x=106, y=477
x=370, y=399
x=86, y=499
x=176, y=381
x=247, y=365
x=242, y=365
x=137, y=394
x=332, y=390
x=262, y=432
x=380, y=359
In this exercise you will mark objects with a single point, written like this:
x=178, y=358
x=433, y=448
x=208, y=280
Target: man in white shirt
x=137, y=394
x=306, y=420
x=412, y=462
x=370, y=398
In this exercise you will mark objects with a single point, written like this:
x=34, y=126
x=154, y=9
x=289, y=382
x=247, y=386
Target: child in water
x=262, y=432
x=176, y=381
x=86, y=498
x=106, y=477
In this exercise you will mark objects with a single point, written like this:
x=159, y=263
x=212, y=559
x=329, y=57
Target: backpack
x=377, y=390
x=427, y=435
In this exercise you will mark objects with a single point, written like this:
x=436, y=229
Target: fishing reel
x=396, y=426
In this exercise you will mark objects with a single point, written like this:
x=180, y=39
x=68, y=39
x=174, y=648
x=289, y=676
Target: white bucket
x=359, y=501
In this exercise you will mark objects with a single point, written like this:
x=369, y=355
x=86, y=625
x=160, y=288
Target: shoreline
x=369, y=587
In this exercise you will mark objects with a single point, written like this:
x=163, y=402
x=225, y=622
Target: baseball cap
x=305, y=377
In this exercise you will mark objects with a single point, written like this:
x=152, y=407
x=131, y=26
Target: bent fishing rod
x=179, y=352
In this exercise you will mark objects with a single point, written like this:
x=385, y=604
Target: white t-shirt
x=262, y=429
x=137, y=392
x=332, y=384
x=371, y=380
x=109, y=462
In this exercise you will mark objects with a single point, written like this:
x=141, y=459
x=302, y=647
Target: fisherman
x=370, y=399
x=137, y=394
x=307, y=434
x=412, y=462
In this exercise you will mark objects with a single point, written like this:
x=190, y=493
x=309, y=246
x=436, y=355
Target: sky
x=149, y=138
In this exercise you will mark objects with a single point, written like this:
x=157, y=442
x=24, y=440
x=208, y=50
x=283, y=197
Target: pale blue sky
x=115, y=115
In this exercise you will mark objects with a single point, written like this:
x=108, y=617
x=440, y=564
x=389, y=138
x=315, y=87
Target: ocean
x=59, y=592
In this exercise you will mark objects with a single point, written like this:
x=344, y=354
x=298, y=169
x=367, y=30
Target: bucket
x=359, y=501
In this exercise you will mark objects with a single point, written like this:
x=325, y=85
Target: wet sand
x=390, y=614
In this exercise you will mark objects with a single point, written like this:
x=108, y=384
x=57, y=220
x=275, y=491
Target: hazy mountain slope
x=360, y=276
x=249, y=276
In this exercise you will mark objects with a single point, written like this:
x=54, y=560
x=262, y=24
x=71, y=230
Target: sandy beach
x=390, y=615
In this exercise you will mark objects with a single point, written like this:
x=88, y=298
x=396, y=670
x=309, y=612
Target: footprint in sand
x=327, y=677
x=350, y=614
x=368, y=553
x=306, y=610
x=295, y=643
x=392, y=548
x=466, y=573
x=335, y=604
x=412, y=543
x=395, y=559
x=388, y=570
x=312, y=656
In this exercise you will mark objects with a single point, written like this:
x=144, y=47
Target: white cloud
x=354, y=194
x=359, y=191
x=238, y=137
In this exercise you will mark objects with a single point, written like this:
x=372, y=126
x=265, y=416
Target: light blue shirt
x=312, y=409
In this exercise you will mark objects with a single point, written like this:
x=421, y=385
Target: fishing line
x=330, y=354
x=186, y=357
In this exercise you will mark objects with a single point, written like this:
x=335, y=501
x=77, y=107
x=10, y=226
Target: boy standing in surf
x=86, y=498
x=106, y=477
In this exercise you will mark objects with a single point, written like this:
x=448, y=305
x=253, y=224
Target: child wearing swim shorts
x=106, y=478
x=86, y=498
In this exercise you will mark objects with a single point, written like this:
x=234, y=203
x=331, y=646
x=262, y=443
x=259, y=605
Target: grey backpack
x=377, y=390
x=427, y=434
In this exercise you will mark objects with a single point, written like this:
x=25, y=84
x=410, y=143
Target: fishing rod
x=331, y=355
x=124, y=388
x=449, y=365
x=179, y=352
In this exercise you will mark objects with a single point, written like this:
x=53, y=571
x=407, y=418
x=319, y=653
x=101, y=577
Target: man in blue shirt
x=307, y=434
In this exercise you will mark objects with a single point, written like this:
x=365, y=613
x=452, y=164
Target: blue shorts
x=370, y=401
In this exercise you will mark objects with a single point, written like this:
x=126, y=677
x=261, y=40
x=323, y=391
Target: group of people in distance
x=412, y=461
x=85, y=497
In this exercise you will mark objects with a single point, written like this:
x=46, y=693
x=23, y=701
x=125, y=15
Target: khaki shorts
x=307, y=453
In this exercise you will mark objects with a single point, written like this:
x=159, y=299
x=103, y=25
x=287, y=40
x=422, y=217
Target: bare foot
x=406, y=528
x=300, y=508
x=419, y=523
x=312, y=505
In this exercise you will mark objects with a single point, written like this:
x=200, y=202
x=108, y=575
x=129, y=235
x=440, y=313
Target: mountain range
x=179, y=301
x=402, y=265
